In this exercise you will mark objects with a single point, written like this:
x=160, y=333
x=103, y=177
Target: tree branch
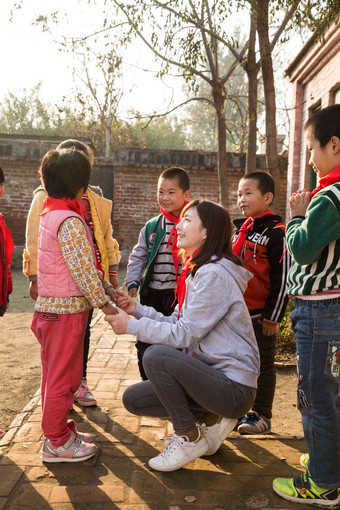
x=162, y=57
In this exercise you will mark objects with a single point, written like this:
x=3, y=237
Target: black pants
x=87, y=343
x=267, y=378
x=162, y=301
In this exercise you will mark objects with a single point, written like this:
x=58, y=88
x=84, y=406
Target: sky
x=29, y=56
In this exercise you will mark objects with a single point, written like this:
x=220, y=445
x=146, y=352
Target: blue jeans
x=316, y=325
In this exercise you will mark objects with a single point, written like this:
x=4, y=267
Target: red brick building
x=315, y=76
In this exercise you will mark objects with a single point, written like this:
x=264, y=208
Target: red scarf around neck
x=61, y=204
x=173, y=235
x=331, y=178
x=247, y=225
x=181, y=289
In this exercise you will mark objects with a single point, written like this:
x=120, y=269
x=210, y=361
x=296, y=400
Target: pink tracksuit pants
x=62, y=341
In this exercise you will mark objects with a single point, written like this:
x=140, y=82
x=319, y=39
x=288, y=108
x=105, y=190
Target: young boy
x=313, y=239
x=154, y=264
x=260, y=242
x=6, y=252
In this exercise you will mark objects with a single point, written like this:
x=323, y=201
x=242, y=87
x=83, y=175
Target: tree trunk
x=269, y=91
x=219, y=103
x=107, y=139
x=251, y=70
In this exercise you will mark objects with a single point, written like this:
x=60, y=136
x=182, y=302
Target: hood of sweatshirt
x=239, y=273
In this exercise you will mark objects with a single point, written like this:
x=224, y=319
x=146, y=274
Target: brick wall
x=314, y=74
x=130, y=179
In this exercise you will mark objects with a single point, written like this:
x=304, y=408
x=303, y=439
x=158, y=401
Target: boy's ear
x=335, y=141
x=187, y=194
x=269, y=198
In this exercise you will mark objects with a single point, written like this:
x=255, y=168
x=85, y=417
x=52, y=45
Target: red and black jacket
x=264, y=254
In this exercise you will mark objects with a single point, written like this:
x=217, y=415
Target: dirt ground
x=20, y=365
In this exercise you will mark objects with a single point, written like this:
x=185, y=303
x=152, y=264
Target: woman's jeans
x=179, y=384
x=316, y=325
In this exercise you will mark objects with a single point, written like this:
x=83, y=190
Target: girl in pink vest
x=69, y=285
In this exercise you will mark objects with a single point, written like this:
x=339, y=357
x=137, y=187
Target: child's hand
x=34, y=290
x=133, y=292
x=108, y=309
x=113, y=280
x=298, y=203
x=125, y=302
x=118, y=322
x=269, y=329
x=110, y=291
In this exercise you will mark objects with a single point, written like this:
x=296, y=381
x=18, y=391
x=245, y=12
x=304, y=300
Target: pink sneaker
x=74, y=450
x=86, y=437
x=83, y=395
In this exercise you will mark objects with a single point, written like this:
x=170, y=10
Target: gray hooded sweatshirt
x=214, y=324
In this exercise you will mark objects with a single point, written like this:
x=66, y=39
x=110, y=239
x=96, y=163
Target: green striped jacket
x=314, y=245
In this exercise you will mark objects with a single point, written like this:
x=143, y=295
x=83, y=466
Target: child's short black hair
x=64, y=172
x=79, y=146
x=265, y=181
x=324, y=124
x=2, y=176
x=176, y=172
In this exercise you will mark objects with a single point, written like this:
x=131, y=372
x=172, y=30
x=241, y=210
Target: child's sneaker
x=179, y=451
x=83, y=395
x=304, y=459
x=302, y=489
x=86, y=437
x=74, y=450
x=254, y=424
x=217, y=433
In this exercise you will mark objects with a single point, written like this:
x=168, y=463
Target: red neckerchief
x=331, y=178
x=247, y=225
x=181, y=289
x=61, y=204
x=173, y=234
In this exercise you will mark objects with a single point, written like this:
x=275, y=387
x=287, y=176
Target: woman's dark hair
x=324, y=124
x=64, y=172
x=2, y=176
x=219, y=233
x=79, y=146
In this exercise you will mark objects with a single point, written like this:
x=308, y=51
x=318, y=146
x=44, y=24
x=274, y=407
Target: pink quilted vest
x=54, y=278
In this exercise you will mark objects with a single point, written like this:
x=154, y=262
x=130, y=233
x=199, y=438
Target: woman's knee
x=155, y=353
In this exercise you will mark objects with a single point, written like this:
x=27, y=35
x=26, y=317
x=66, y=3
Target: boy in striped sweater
x=313, y=239
x=154, y=264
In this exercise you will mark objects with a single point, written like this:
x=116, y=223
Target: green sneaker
x=302, y=489
x=304, y=460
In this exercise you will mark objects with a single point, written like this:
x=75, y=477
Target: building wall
x=315, y=76
x=130, y=180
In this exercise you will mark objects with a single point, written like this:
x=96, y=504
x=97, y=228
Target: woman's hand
x=125, y=302
x=119, y=321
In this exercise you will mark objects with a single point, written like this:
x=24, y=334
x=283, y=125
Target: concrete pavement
x=237, y=477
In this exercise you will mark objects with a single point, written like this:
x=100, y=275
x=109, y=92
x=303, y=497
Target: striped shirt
x=164, y=273
x=314, y=244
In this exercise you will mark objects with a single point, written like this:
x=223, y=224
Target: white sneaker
x=217, y=433
x=179, y=451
